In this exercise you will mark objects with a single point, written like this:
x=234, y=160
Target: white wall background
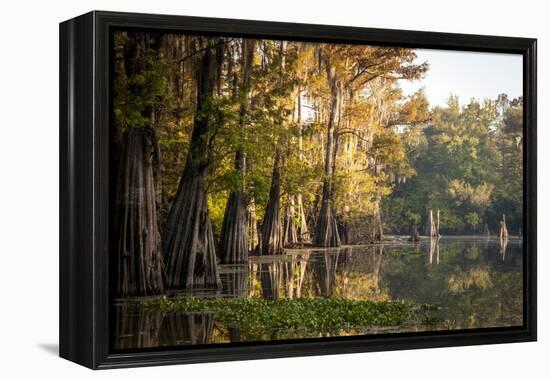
x=29, y=187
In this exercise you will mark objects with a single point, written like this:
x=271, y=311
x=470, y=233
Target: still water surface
x=474, y=282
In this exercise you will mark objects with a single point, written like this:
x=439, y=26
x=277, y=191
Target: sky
x=467, y=75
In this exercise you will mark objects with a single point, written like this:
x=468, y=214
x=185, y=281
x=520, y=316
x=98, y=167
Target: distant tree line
x=468, y=163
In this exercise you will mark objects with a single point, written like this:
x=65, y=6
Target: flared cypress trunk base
x=139, y=257
x=326, y=234
x=272, y=239
x=234, y=234
x=189, y=247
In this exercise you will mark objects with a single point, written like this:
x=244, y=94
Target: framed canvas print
x=236, y=189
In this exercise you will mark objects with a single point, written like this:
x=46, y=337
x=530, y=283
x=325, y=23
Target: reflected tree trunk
x=235, y=282
x=188, y=328
x=434, y=250
x=301, y=270
x=377, y=263
x=324, y=273
x=288, y=276
x=270, y=278
x=503, y=236
x=136, y=327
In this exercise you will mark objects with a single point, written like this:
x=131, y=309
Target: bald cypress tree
x=189, y=247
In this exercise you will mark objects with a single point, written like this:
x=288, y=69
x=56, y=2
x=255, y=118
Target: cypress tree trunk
x=290, y=227
x=486, y=231
x=414, y=234
x=326, y=232
x=189, y=247
x=302, y=228
x=252, y=221
x=139, y=244
x=272, y=242
x=234, y=234
x=378, y=230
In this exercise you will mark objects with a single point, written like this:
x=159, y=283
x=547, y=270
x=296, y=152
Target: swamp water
x=469, y=282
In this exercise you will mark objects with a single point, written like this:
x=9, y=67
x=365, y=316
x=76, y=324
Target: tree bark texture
x=234, y=234
x=326, y=232
x=272, y=240
x=189, y=247
x=302, y=227
x=378, y=230
x=252, y=221
x=140, y=265
x=291, y=230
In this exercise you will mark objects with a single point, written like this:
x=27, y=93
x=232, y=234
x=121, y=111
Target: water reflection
x=234, y=280
x=475, y=282
x=138, y=328
x=324, y=273
x=434, y=250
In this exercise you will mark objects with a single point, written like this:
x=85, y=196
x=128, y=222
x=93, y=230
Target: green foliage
x=392, y=152
x=304, y=315
x=141, y=84
x=468, y=165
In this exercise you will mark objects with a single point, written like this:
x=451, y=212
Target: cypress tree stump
x=415, y=237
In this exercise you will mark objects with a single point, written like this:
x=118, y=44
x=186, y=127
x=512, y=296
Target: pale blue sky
x=467, y=75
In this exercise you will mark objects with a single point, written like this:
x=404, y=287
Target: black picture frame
x=84, y=188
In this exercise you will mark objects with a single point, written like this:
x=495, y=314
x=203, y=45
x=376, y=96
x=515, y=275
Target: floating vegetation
x=303, y=315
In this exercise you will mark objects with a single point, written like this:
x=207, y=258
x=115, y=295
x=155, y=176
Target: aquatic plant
x=303, y=315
